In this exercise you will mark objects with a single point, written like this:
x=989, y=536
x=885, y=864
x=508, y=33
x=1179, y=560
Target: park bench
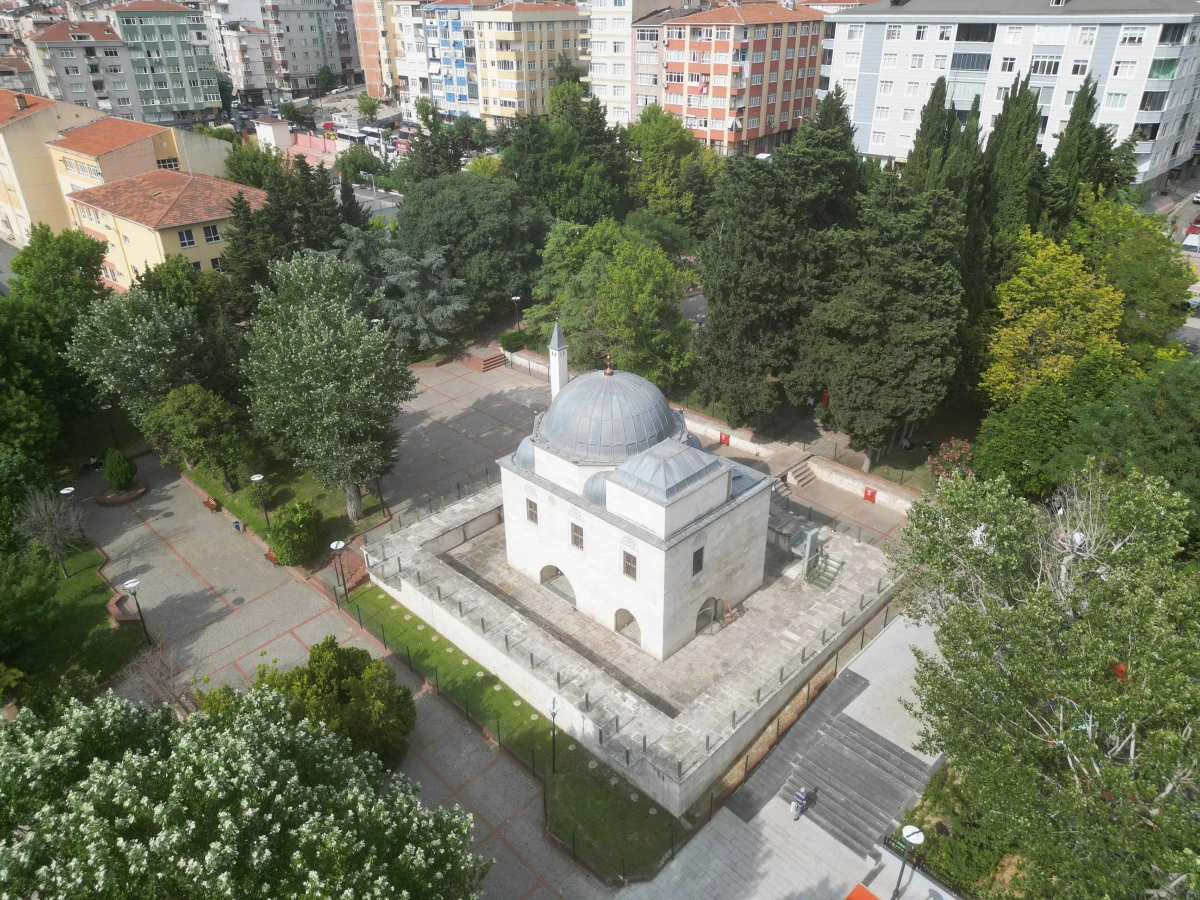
x=211, y=505
x=270, y=557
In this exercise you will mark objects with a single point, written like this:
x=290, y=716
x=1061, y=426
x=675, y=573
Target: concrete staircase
x=481, y=359
x=801, y=474
x=863, y=782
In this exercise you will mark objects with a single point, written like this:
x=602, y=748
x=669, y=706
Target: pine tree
x=932, y=141
x=351, y=210
x=962, y=176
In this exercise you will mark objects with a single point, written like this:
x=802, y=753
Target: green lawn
x=907, y=467
x=613, y=832
x=82, y=634
x=283, y=484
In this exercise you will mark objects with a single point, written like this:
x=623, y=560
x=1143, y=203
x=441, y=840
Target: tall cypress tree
x=1075, y=160
x=931, y=142
x=963, y=176
x=1014, y=177
x=890, y=335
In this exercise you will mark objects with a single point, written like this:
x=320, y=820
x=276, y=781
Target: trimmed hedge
x=118, y=469
x=295, y=533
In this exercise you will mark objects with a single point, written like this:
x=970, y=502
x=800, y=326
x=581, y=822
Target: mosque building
x=612, y=505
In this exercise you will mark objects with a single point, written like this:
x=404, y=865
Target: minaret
x=558, y=362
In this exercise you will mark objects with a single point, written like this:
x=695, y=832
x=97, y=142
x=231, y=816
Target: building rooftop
x=16, y=63
x=659, y=16
x=552, y=6
x=667, y=470
x=267, y=120
x=164, y=198
x=1022, y=9
x=11, y=109
x=62, y=31
x=751, y=14
x=104, y=136
x=153, y=6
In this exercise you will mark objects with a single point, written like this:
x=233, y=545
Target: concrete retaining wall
x=887, y=494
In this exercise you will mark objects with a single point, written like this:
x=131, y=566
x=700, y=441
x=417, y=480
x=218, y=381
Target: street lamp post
x=258, y=480
x=68, y=494
x=132, y=586
x=555, y=706
x=107, y=407
x=516, y=301
x=337, y=547
x=913, y=837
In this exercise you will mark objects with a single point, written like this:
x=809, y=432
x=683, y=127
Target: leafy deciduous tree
x=201, y=427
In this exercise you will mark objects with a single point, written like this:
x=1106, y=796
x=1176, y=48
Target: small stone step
x=492, y=362
x=871, y=786
x=903, y=766
x=831, y=788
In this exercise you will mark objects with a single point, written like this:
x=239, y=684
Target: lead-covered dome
x=605, y=418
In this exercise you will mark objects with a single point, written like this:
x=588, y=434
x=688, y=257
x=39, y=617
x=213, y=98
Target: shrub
x=118, y=469
x=954, y=457
x=295, y=533
x=512, y=341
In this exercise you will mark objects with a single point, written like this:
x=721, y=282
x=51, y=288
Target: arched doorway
x=627, y=626
x=553, y=580
x=706, y=616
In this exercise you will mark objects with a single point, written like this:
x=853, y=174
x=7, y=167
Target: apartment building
x=16, y=74
x=29, y=190
x=146, y=217
x=610, y=33
x=649, y=58
x=244, y=54
x=173, y=70
x=392, y=51
x=111, y=148
x=1144, y=57
x=453, y=61
x=24, y=21
x=518, y=44
x=307, y=35
x=742, y=77
x=85, y=63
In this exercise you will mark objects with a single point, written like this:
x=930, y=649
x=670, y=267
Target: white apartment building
x=611, y=71
x=391, y=47
x=1143, y=55
x=245, y=56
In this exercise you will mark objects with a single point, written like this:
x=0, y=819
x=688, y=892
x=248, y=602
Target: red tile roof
x=16, y=63
x=165, y=198
x=153, y=6
x=9, y=112
x=62, y=31
x=751, y=14
x=104, y=135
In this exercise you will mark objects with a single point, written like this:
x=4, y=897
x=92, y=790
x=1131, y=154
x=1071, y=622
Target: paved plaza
x=774, y=622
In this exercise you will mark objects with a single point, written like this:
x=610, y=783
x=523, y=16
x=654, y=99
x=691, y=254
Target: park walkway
x=209, y=594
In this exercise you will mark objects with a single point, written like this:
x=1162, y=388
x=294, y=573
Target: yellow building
x=113, y=148
x=517, y=46
x=149, y=216
x=29, y=190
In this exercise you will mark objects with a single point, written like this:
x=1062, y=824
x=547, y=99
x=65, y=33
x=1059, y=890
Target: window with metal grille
x=971, y=62
x=630, y=565
x=698, y=561
x=576, y=535
x=531, y=511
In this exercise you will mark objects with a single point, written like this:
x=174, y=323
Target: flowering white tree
x=118, y=800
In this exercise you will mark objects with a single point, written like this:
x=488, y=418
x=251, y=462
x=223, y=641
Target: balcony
x=1143, y=147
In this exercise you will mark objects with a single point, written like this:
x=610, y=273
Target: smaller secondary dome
x=524, y=455
x=667, y=470
x=605, y=418
x=595, y=489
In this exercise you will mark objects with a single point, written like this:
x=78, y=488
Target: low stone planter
x=109, y=497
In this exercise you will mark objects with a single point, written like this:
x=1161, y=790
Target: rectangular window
x=775, y=55
x=939, y=62
x=1087, y=35
x=777, y=31
x=170, y=163
x=909, y=115
x=971, y=62
x=916, y=61
x=76, y=88
x=212, y=233
x=1124, y=68
x=67, y=54
x=756, y=78
x=698, y=561
x=922, y=32
x=69, y=165
x=912, y=89
x=877, y=137
x=186, y=239
x=893, y=32
x=629, y=565
x=1133, y=36
x=1153, y=101
x=759, y=56
x=977, y=33
x=1045, y=65
x=760, y=33
x=576, y=535
x=1172, y=35
x=885, y=88
x=1163, y=68
x=531, y=511
x=1012, y=34
x=945, y=32
x=1008, y=64
x=1115, y=101
x=882, y=112
x=889, y=60
x=851, y=59
x=216, y=264
x=72, y=70
x=1079, y=67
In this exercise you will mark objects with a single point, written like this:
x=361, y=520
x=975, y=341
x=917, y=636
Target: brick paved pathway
x=208, y=592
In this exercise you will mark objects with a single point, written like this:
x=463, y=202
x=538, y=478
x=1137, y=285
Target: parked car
x=340, y=90
x=1196, y=197
x=1191, y=240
